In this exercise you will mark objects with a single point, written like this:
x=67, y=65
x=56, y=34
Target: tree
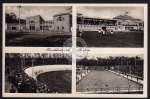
x=69, y=9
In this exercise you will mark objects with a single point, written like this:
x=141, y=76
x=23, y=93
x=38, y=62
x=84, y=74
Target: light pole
x=19, y=16
x=32, y=59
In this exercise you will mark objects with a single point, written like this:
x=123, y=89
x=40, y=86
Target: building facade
x=124, y=23
x=33, y=22
x=62, y=22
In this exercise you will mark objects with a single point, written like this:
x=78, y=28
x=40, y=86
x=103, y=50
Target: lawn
x=24, y=39
x=124, y=39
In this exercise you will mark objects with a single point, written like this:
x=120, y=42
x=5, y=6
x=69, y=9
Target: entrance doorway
x=32, y=27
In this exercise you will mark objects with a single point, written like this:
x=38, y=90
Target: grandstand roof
x=96, y=18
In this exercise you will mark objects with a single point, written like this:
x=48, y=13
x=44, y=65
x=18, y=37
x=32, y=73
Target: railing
x=111, y=90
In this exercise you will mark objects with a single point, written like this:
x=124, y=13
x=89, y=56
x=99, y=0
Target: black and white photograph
x=72, y=50
x=38, y=73
x=110, y=74
x=37, y=26
x=111, y=26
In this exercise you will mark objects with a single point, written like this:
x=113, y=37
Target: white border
x=99, y=50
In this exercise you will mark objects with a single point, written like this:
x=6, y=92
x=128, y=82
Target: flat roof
x=48, y=20
x=62, y=14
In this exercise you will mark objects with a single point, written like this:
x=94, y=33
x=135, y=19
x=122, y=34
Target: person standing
x=12, y=90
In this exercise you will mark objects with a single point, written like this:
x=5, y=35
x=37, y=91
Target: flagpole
x=19, y=16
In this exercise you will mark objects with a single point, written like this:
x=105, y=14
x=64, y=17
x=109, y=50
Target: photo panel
x=74, y=50
x=110, y=74
x=111, y=26
x=37, y=25
x=49, y=73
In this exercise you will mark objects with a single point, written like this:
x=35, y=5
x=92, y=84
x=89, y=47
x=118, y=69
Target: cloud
x=111, y=12
x=46, y=12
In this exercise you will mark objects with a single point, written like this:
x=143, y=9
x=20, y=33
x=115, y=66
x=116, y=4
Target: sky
x=46, y=12
x=111, y=12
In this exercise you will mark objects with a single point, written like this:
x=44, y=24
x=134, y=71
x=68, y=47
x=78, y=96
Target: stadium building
x=61, y=22
x=119, y=23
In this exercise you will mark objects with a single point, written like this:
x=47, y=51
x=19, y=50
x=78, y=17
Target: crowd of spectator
x=26, y=84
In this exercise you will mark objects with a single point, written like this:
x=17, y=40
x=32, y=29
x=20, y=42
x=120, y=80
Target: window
x=13, y=28
x=58, y=28
x=62, y=27
x=50, y=26
x=47, y=28
x=41, y=27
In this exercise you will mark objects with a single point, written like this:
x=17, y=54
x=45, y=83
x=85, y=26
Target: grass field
x=36, y=39
x=99, y=79
x=124, y=39
x=60, y=81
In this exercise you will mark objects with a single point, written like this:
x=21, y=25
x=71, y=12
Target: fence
x=111, y=90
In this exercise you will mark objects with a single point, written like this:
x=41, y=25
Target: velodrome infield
x=59, y=81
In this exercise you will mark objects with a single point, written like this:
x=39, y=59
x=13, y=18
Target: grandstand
x=118, y=23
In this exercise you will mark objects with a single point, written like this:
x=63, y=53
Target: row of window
x=47, y=22
x=111, y=27
x=45, y=27
x=94, y=26
x=108, y=24
x=59, y=28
